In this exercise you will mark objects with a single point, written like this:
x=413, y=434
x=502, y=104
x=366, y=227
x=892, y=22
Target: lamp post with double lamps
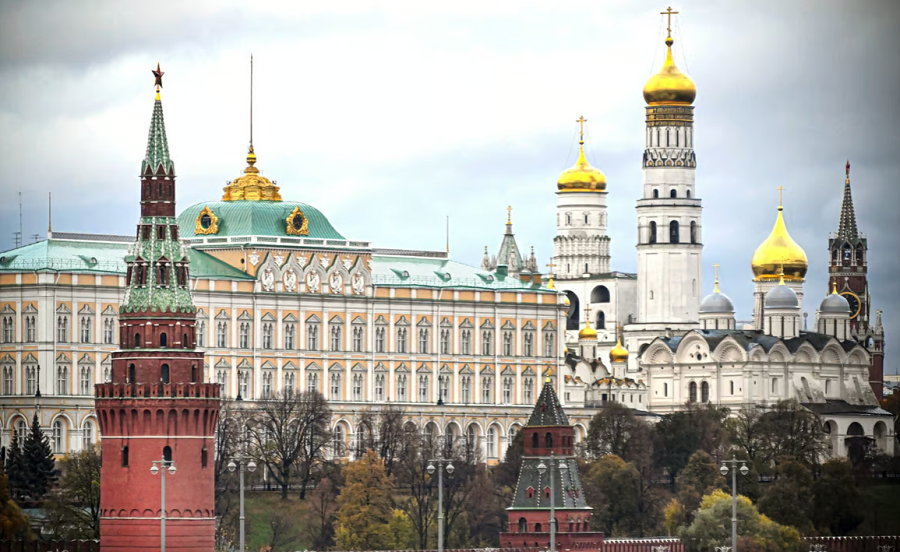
x=244, y=463
x=440, y=469
x=734, y=471
x=542, y=469
x=161, y=467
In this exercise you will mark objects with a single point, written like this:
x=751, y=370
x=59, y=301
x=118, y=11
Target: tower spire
x=157, y=145
x=847, y=228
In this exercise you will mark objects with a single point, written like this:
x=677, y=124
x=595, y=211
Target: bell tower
x=156, y=408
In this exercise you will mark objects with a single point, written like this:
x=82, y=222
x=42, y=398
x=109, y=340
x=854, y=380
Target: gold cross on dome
x=780, y=189
x=581, y=120
x=669, y=13
x=509, y=215
x=716, y=266
x=587, y=313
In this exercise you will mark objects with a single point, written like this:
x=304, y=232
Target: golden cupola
x=581, y=177
x=587, y=332
x=252, y=186
x=779, y=252
x=618, y=353
x=670, y=86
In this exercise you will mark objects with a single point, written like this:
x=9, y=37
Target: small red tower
x=549, y=468
x=848, y=273
x=156, y=406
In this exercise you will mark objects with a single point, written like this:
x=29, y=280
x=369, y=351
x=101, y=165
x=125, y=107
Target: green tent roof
x=257, y=218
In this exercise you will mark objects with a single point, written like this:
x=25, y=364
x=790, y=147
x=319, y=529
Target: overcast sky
x=390, y=118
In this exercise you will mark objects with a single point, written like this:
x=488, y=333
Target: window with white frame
x=491, y=442
x=358, y=331
x=423, y=340
x=244, y=335
x=379, y=340
x=465, y=342
x=267, y=384
x=201, y=333
x=423, y=388
x=30, y=329
x=8, y=380
x=244, y=384
x=21, y=431
x=339, y=440
x=312, y=336
x=401, y=387
x=222, y=334
x=335, y=392
x=357, y=387
x=290, y=383
x=402, y=340
x=107, y=375
x=58, y=438
x=487, y=342
x=528, y=390
x=445, y=341
x=465, y=389
x=9, y=329
x=487, y=385
x=290, y=333
x=444, y=387
x=268, y=335
x=62, y=329
x=549, y=343
x=85, y=381
x=85, y=327
x=507, y=389
x=30, y=380
x=62, y=380
x=109, y=327
x=528, y=342
x=507, y=343
x=336, y=331
x=312, y=382
x=379, y=387
x=87, y=435
x=222, y=379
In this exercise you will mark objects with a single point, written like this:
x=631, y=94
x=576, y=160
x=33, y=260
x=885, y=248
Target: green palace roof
x=442, y=273
x=256, y=218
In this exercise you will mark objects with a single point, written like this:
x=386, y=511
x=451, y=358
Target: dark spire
x=847, y=229
x=548, y=411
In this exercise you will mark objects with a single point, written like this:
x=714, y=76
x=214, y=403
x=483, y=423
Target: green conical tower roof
x=548, y=411
x=157, y=145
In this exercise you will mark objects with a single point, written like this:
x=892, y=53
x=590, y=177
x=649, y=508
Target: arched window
x=692, y=392
x=523, y=525
x=704, y=392
x=673, y=194
x=673, y=231
x=163, y=340
x=167, y=453
x=124, y=457
x=491, y=443
x=600, y=294
x=164, y=373
x=655, y=194
x=574, y=312
x=855, y=430
x=688, y=194
x=534, y=441
x=193, y=373
x=131, y=374
x=548, y=440
x=601, y=320
x=537, y=528
x=87, y=435
x=652, y=231
x=58, y=444
x=137, y=341
x=693, y=231
x=339, y=439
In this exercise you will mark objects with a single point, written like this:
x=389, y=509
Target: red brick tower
x=549, y=442
x=848, y=272
x=156, y=406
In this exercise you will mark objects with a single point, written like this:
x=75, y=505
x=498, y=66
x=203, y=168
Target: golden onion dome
x=618, y=353
x=779, y=252
x=670, y=86
x=587, y=332
x=582, y=177
x=251, y=186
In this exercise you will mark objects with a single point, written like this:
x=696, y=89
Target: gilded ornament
x=207, y=223
x=582, y=177
x=297, y=223
x=670, y=86
x=251, y=186
x=779, y=252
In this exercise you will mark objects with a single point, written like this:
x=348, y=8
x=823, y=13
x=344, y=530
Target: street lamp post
x=250, y=465
x=440, y=469
x=542, y=469
x=161, y=467
x=734, y=470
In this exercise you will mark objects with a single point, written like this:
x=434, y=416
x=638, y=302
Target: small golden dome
x=779, y=253
x=618, y=353
x=582, y=177
x=251, y=186
x=670, y=86
x=587, y=332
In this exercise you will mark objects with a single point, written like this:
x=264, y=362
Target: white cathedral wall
x=621, y=305
x=669, y=283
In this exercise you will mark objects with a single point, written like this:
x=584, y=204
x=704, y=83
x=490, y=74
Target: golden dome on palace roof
x=779, y=252
x=618, y=353
x=670, y=86
x=582, y=177
x=251, y=186
x=587, y=332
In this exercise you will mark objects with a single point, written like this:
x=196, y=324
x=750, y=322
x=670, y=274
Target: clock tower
x=848, y=273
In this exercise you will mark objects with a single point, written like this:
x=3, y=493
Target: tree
x=319, y=519
x=616, y=430
x=838, y=503
x=700, y=477
x=788, y=429
x=679, y=434
x=390, y=435
x=38, y=468
x=788, y=500
x=365, y=516
x=413, y=479
x=13, y=523
x=73, y=509
x=744, y=431
x=712, y=527
x=506, y=473
x=230, y=440
x=15, y=468
x=614, y=499
x=290, y=432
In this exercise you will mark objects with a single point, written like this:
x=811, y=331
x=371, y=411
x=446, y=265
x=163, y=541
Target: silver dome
x=782, y=297
x=716, y=303
x=835, y=304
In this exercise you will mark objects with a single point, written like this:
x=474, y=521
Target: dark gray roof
x=835, y=303
x=782, y=297
x=748, y=339
x=716, y=303
x=568, y=492
x=834, y=406
x=548, y=411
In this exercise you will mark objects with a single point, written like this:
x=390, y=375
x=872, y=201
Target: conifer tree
x=14, y=467
x=39, y=467
x=13, y=524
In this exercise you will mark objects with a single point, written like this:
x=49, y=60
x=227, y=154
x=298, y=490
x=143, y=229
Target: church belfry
x=670, y=244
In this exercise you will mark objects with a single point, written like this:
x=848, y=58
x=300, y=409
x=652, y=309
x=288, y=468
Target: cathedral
x=282, y=301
